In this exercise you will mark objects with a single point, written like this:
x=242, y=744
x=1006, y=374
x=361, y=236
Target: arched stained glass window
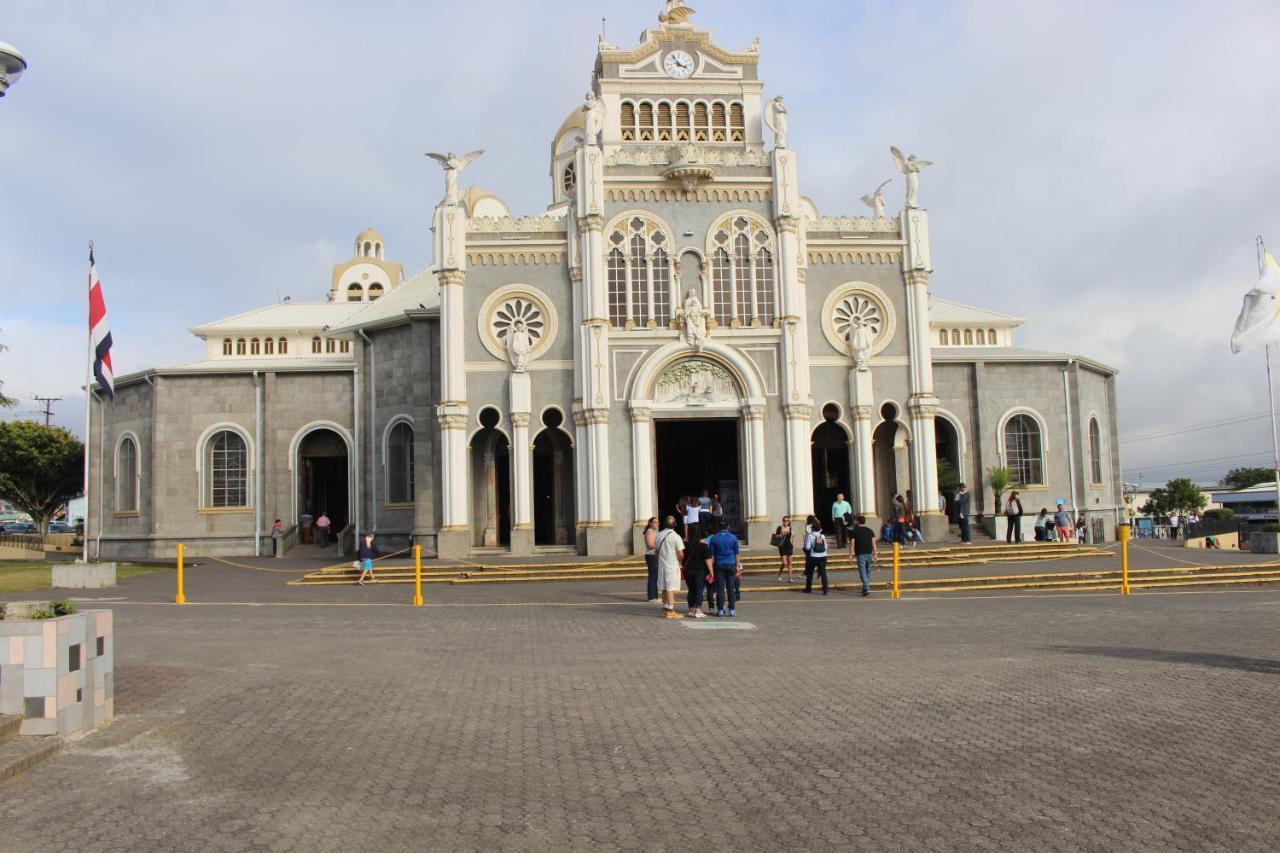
x=1023, y=450
x=226, y=470
x=399, y=464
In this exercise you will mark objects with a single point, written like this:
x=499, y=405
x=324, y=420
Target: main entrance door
x=693, y=455
x=322, y=477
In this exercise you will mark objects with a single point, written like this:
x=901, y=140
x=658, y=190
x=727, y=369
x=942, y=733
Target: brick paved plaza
x=558, y=716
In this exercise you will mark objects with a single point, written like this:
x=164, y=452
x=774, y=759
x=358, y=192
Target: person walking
x=816, y=546
x=963, y=501
x=322, y=529
x=785, y=543
x=1174, y=521
x=899, y=520
x=306, y=528
x=670, y=548
x=1013, y=519
x=364, y=557
x=863, y=549
x=651, y=558
x=717, y=512
x=704, y=512
x=840, y=516
x=277, y=533
x=1062, y=519
x=724, y=555
x=691, y=515
x=698, y=574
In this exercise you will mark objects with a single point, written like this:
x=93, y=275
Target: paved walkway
x=1015, y=722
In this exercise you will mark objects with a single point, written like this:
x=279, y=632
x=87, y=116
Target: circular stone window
x=854, y=302
x=512, y=305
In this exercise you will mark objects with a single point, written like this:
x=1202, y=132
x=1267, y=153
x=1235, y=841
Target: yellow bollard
x=181, y=598
x=1122, y=533
x=897, y=592
x=417, y=575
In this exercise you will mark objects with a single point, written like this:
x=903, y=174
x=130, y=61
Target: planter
x=1264, y=543
x=997, y=526
x=84, y=575
x=58, y=674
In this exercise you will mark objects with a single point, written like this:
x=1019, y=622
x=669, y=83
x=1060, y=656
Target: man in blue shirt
x=724, y=556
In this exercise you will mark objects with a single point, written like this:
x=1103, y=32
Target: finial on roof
x=677, y=14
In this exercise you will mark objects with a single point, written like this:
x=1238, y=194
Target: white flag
x=1259, y=320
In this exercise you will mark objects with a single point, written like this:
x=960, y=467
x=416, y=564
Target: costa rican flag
x=100, y=333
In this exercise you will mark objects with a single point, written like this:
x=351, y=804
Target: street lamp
x=11, y=66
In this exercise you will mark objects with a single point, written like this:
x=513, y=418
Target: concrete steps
x=18, y=753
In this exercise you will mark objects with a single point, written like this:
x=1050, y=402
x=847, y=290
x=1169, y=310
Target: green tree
x=1000, y=479
x=1243, y=478
x=40, y=467
x=1181, y=496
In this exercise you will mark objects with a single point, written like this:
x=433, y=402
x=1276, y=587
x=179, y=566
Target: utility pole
x=48, y=407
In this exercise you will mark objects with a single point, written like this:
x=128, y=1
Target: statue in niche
x=519, y=344
x=694, y=317
x=452, y=165
x=910, y=167
x=775, y=115
x=875, y=201
x=593, y=122
x=860, y=343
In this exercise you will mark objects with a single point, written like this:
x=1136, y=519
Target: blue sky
x=1102, y=168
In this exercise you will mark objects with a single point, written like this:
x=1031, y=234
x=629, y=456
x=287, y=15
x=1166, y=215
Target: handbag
x=775, y=541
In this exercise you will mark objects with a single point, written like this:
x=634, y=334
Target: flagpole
x=1271, y=398
x=88, y=395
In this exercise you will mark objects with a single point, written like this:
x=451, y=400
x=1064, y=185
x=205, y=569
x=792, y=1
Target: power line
x=48, y=407
x=1196, y=427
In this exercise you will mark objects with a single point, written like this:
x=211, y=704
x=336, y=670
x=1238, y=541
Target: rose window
x=867, y=310
x=515, y=309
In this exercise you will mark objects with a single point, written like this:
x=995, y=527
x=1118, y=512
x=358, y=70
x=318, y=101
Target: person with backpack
x=670, y=549
x=815, y=546
x=728, y=569
x=1013, y=519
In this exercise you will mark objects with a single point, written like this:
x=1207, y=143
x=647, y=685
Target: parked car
x=20, y=527
x=59, y=527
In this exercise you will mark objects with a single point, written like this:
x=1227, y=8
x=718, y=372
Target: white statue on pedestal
x=452, y=165
x=775, y=115
x=910, y=167
x=519, y=343
x=695, y=319
x=875, y=201
x=593, y=123
x=860, y=343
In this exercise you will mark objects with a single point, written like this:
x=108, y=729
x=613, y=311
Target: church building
x=681, y=317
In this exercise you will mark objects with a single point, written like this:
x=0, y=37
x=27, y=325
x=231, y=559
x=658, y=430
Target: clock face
x=678, y=64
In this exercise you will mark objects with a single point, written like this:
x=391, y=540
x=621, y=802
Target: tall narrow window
x=1095, y=450
x=127, y=476
x=719, y=123
x=646, y=121
x=764, y=287
x=355, y=293
x=982, y=338
x=226, y=471
x=684, y=122
x=721, y=287
x=344, y=346
x=226, y=346
x=400, y=464
x=330, y=345
x=661, y=288
x=639, y=281
x=968, y=337
x=284, y=346
x=315, y=345
x=942, y=338
x=742, y=272
x=628, y=121
x=240, y=346
x=955, y=337
x=617, y=288
x=1022, y=450
x=701, y=122
x=991, y=337
x=255, y=347
x=664, y=122
x=268, y=346
x=737, y=123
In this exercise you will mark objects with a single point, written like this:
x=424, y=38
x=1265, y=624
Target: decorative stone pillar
x=642, y=470
x=599, y=526
x=454, y=532
x=758, y=525
x=799, y=459
x=521, y=467
x=922, y=405
x=862, y=405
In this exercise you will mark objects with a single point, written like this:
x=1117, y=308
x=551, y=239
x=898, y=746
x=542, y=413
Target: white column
x=862, y=404
x=521, y=454
x=642, y=462
x=453, y=480
x=799, y=459
x=753, y=420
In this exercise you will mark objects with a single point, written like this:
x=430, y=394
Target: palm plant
x=999, y=479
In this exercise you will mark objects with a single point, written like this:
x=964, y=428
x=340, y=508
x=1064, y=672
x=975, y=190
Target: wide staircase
x=18, y=753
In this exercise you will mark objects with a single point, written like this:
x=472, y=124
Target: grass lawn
x=38, y=577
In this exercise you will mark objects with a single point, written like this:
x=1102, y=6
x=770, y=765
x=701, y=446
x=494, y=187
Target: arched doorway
x=322, y=479
x=890, y=452
x=830, y=449
x=553, y=516
x=491, y=483
x=947, y=444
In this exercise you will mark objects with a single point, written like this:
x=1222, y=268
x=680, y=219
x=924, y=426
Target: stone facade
x=538, y=362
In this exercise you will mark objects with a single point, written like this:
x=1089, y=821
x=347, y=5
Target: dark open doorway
x=553, y=516
x=322, y=477
x=830, y=467
x=693, y=455
x=491, y=484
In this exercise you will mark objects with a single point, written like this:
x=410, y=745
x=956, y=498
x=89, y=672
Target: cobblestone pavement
x=503, y=723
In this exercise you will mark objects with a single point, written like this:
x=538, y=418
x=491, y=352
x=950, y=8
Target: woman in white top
x=692, y=512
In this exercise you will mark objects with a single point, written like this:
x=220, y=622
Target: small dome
x=576, y=120
x=369, y=244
